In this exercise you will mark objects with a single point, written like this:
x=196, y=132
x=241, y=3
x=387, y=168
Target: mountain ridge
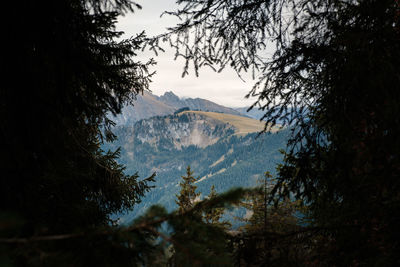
x=243, y=125
x=148, y=105
x=168, y=144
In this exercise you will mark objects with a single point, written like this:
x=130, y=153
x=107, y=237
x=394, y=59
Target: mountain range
x=224, y=149
x=148, y=105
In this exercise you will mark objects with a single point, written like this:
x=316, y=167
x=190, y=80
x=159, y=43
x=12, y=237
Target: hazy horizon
x=224, y=88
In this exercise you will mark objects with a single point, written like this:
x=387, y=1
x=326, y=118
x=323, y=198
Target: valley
x=223, y=150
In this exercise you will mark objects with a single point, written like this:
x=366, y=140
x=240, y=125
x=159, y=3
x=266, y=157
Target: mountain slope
x=171, y=99
x=148, y=105
x=145, y=106
x=181, y=130
x=242, y=125
x=165, y=145
x=255, y=113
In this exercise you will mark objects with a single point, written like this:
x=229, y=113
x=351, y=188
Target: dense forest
x=233, y=161
x=333, y=81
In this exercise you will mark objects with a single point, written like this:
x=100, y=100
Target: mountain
x=257, y=114
x=254, y=113
x=242, y=125
x=181, y=130
x=198, y=128
x=171, y=99
x=145, y=106
x=148, y=105
x=222, y=149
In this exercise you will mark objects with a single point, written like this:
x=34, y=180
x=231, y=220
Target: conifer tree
x=333, y=78
x=187, y=195
x=195, y=241
x=271, y=235
x=213, y=215
x=66, y=74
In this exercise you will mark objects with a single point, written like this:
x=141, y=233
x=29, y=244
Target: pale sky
x=224, y=88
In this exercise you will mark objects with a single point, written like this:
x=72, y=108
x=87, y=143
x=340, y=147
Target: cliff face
x=181, y=130
x=222, y=149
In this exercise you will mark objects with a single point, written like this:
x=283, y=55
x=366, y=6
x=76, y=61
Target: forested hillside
x=224, y=159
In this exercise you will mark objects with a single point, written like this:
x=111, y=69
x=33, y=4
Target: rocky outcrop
x=181, y=130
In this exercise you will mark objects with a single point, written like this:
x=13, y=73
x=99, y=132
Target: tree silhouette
x=66, y=73
x=333, y=79
x=198, y=242
x=187, y=196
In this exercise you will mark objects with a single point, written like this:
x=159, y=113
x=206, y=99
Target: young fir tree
x=213, y=215
x=259, y=206
x=195, y=242
x=272, y=233
x=187, y=195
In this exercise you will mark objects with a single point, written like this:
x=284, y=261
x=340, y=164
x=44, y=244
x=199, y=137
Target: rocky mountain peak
x=149, y=105
x=170, y=96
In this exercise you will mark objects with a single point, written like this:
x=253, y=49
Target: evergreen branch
x=173, y=241
x=40, y=238
x=233, y=194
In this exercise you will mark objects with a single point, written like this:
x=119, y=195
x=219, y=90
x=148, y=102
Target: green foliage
x=258, y=206
x=198, y=243
x=199, y=238
x=188, y=194
x=241, y=160
x=274, y=234
x=333, y=77
x=213, y=215
x=65, y=72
